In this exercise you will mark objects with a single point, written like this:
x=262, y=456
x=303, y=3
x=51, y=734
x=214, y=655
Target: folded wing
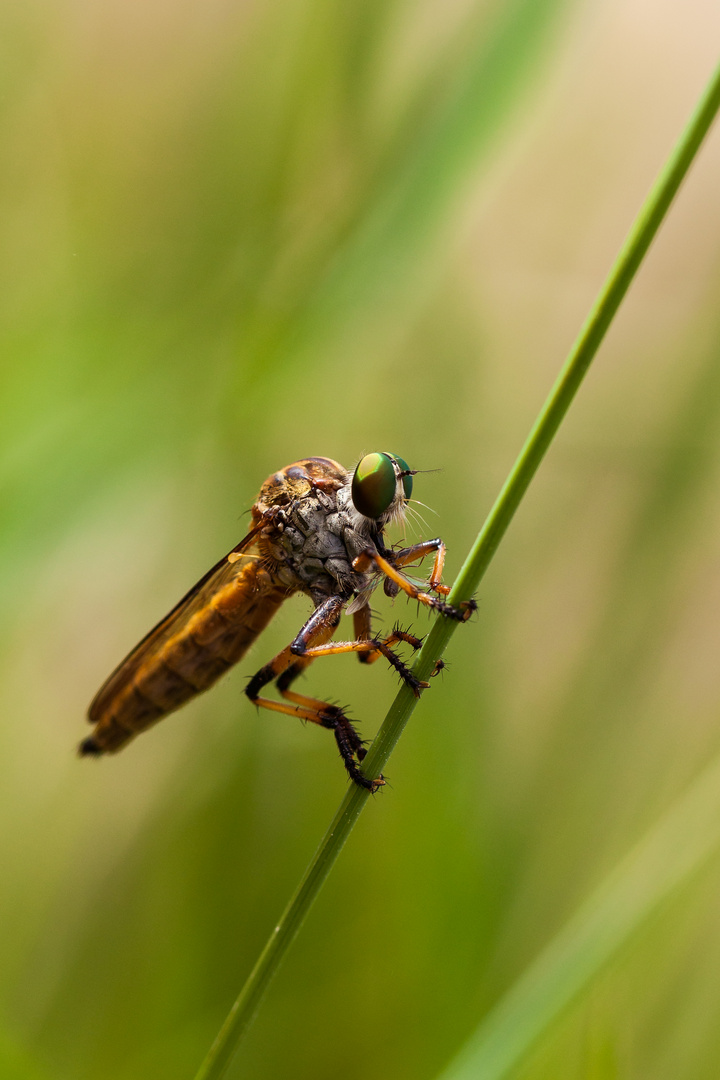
x=207, y=632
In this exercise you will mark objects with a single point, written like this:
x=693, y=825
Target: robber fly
x=316, y=529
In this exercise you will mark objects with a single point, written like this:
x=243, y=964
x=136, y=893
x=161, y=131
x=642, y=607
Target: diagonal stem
x=557, y=404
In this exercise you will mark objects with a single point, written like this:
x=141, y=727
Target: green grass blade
x=243, y=1010
x=591, y=334
x=558, y=402
x=543, y=431
x=415, y=192
x=418, y=192
x=676, y=847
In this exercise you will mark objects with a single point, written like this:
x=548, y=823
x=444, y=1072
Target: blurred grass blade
x=675, y=848
x=541, y=435
x=415, y=196
x=419, y=187
x=16, y=1063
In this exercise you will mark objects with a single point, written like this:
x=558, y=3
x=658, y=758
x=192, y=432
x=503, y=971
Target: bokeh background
x=238, y=233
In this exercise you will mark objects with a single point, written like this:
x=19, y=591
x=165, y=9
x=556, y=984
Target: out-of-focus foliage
x=237, y=234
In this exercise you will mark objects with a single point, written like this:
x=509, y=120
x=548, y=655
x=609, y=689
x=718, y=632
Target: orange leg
x=371, y=557
x=362, y=625
x=363, y=632
x=373, y=649
x=419, y=551
x=286, y=667
x=395, y=638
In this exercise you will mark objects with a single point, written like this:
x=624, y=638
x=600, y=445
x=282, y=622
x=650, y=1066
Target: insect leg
x=286, y=667
x=367, y=647
x=363, y=632
x=419, y=551
x=373, y=648
x=371, y=557
x=362, y=626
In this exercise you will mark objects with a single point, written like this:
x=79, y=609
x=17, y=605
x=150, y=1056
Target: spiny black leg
x=329, y=715
x=290, y=663
x=404, y=635
x=461, y=614
x=404, y=672
x=350, y=745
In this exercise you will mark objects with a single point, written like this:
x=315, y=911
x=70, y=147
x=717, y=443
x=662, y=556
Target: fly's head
x=381, y=487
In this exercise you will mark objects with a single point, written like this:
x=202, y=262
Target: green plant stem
x=586, y=345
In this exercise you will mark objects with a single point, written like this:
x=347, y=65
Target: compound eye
x=374, y=485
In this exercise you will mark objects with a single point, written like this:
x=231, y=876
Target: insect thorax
x=314, y=541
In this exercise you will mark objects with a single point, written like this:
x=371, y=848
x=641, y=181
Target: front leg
x=419, y=551
x=370, y=557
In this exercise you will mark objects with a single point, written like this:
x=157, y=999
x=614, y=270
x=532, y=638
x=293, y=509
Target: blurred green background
x=236, y=234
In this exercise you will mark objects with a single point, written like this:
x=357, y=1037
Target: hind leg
x=291, y=662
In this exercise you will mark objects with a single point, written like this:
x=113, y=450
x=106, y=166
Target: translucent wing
x=204, y=635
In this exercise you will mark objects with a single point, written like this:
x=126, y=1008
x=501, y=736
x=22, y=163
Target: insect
x=316, y=529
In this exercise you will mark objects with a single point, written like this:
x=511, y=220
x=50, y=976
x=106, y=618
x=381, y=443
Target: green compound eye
x=373, y=485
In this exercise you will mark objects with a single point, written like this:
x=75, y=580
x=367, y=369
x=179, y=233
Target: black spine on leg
x=349, y=744
x=403, y=671
x=462, y=614
x=407, y=637
x=342, y=738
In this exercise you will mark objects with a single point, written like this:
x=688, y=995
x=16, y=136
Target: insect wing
x=224, y=572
